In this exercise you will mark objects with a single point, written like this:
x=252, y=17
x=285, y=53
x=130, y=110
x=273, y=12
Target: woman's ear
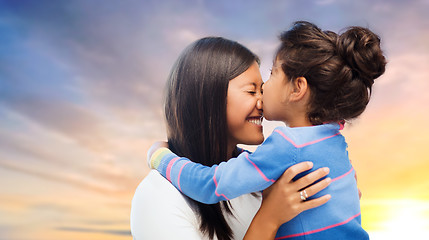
x=300, y=89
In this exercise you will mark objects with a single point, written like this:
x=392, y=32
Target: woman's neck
x=229, y=153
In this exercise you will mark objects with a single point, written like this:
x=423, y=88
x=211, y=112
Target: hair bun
x=360, y=49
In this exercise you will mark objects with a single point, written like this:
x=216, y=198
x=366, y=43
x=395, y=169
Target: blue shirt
x=323, y=145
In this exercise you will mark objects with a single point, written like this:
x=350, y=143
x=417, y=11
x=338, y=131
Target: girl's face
x=244, y=108
x=276, y=94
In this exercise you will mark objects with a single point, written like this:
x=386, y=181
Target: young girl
x=319, y=79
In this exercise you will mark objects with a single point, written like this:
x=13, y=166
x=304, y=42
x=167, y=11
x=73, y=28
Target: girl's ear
x=300, y=89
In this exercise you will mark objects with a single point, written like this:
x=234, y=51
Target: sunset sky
x=81, y=87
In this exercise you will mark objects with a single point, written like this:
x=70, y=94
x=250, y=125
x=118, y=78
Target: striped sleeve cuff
x=157, y=156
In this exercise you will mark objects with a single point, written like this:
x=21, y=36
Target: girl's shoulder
x=303, y=136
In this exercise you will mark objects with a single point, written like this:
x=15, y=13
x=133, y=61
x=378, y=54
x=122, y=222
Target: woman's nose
x=259, y=104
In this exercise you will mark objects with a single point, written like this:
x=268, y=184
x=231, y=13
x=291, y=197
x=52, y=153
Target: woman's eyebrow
x=249, y=83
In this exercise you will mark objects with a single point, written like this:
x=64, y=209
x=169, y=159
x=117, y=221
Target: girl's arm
x=281, y=202
x=245, y=174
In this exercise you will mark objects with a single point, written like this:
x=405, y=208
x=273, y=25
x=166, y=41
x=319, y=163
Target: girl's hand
x=282, y=201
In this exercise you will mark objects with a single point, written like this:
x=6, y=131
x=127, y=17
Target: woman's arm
x=282, y=201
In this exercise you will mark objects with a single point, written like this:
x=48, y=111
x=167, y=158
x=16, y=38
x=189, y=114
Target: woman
x=213, y=103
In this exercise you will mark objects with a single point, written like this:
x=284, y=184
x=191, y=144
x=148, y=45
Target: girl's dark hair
x=340, y=69
x=195, y=110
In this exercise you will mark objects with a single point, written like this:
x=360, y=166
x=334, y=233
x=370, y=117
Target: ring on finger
x=303, y=195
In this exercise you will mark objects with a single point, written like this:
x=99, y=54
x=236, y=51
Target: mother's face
x=244, y=108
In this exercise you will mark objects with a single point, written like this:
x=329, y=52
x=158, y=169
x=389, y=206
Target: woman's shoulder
x=160, y=211
x=157, y=194
x=155, y=187
x=157, y=206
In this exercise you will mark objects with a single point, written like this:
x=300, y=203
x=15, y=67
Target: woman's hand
x=286, y=193
x=153, y=148
x=282, y=201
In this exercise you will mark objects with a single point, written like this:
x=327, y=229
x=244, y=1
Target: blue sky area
x=81, y=86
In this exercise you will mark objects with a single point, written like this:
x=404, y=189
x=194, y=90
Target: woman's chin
x=255, y=141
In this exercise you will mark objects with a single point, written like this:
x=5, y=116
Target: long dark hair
x=195, y=110
x=340, y=69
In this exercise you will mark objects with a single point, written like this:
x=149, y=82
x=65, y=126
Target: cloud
x=91, y=230
x=77, y=180
x=63, y=117
x=325, y=2
x=81, y=95
x=68, y=157
x=100, y=56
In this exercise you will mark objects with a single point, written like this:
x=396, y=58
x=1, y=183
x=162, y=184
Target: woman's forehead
x=247, y=81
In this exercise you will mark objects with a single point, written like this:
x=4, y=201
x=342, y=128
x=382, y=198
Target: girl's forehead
x=277, y=62
x=277, y=65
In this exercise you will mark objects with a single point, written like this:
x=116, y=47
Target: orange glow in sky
x=81, y=86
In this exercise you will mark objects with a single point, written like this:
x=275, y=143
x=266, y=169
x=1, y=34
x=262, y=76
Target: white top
x=159, y=211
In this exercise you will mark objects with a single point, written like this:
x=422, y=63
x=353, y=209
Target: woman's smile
x=256, y=120
x=244, y=108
